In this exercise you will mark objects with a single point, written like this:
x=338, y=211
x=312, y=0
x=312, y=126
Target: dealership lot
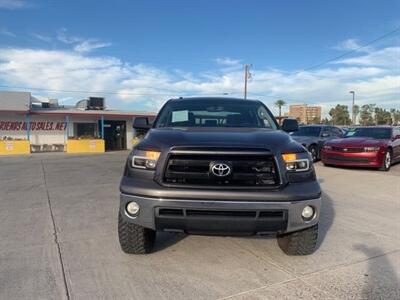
x=58, y=240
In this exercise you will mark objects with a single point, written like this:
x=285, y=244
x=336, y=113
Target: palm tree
x=279, y=104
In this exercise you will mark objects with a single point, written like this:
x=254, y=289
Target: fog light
x=308, y=213
x=132, y=208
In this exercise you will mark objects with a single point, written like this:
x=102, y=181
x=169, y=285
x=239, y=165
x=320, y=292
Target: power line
x=351, y=51
x=84, y=92
x=381, y=37
x=103, y=92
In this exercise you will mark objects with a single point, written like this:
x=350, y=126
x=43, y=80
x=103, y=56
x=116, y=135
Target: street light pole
x=353, y=115
x=246, y=77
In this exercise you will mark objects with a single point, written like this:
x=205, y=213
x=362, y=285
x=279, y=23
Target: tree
x=279, y=104
x=316, y=120
x=340, y=115
x=366, y=114
x=382, y=116
x=395, y=116
x=326, y=121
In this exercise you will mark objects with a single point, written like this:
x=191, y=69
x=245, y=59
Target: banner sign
x=33, y=126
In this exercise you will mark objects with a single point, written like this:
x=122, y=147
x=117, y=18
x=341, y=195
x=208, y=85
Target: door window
x=337, y=132
x=325, y=133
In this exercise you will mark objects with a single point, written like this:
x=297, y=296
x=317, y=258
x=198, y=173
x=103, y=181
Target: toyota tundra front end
x=222, y=167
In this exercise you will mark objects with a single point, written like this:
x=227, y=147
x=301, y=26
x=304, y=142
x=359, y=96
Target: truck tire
x=135, y=239
x=301, y=242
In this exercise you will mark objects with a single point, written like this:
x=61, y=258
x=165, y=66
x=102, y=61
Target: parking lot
x=58, y=240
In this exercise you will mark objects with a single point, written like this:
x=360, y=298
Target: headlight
x=296, y=162
x=371, y=149
x=145, y=159
x=326, y=147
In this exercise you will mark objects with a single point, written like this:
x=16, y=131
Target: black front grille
x=348, y=150
x=218, y=221
x=247, y=170
x=221, y=213
x=180, y=212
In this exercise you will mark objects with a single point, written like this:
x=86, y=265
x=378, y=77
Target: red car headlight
x=326, y=147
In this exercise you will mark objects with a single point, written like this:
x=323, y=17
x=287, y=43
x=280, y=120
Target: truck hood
x=272, y=140
x=357, y=142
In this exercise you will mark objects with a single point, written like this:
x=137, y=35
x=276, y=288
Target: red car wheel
x=387, y=161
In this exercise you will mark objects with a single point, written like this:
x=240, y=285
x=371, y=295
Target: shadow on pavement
x=381, y=281
x=167, y=239
x=327, y=217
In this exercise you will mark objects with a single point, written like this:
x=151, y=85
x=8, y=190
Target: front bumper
x=360, y=159
x=217, y=216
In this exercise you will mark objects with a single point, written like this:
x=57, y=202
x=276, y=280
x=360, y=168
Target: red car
x=375, y=146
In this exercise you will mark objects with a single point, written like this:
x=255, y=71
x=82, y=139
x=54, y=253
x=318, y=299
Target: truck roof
x=211, y=98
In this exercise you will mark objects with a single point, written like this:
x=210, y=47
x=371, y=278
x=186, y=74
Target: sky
x=138, y=54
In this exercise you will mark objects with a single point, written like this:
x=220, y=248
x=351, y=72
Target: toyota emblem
x=221, y=169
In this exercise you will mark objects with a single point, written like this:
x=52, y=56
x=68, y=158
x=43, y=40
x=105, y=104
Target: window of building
x=85, y=130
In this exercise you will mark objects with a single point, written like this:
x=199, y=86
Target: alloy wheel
x=388, y=160
x=313, y=152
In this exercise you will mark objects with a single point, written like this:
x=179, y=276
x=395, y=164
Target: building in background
x=47, y=126
x=306, y=114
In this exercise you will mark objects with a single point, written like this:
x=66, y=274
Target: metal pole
x=353, y=119
x=134, y=133
x=246, y=70
x=102, y=127
x=28, y=127
x=66, y=128
x=353, y=115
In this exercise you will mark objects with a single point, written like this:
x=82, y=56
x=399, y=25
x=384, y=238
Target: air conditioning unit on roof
x=96, y=103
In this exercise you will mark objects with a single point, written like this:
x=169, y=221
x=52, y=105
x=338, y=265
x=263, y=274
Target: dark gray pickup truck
x=218, y=166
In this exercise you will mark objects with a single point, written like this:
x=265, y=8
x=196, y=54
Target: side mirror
x=290, y=125
x=141, y=123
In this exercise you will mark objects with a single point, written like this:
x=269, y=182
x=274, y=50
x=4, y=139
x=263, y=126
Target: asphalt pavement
x=58, y=240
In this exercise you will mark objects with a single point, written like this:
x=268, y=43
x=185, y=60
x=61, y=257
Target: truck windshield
x=372, y=132
x=215, y=113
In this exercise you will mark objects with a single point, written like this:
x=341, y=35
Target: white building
x=48, y=126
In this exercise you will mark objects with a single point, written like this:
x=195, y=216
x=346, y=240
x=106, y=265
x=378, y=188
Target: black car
x=313, y=137
x=219, y=166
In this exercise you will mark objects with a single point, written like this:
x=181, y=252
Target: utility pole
x=353, y=115
x=247, y=76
